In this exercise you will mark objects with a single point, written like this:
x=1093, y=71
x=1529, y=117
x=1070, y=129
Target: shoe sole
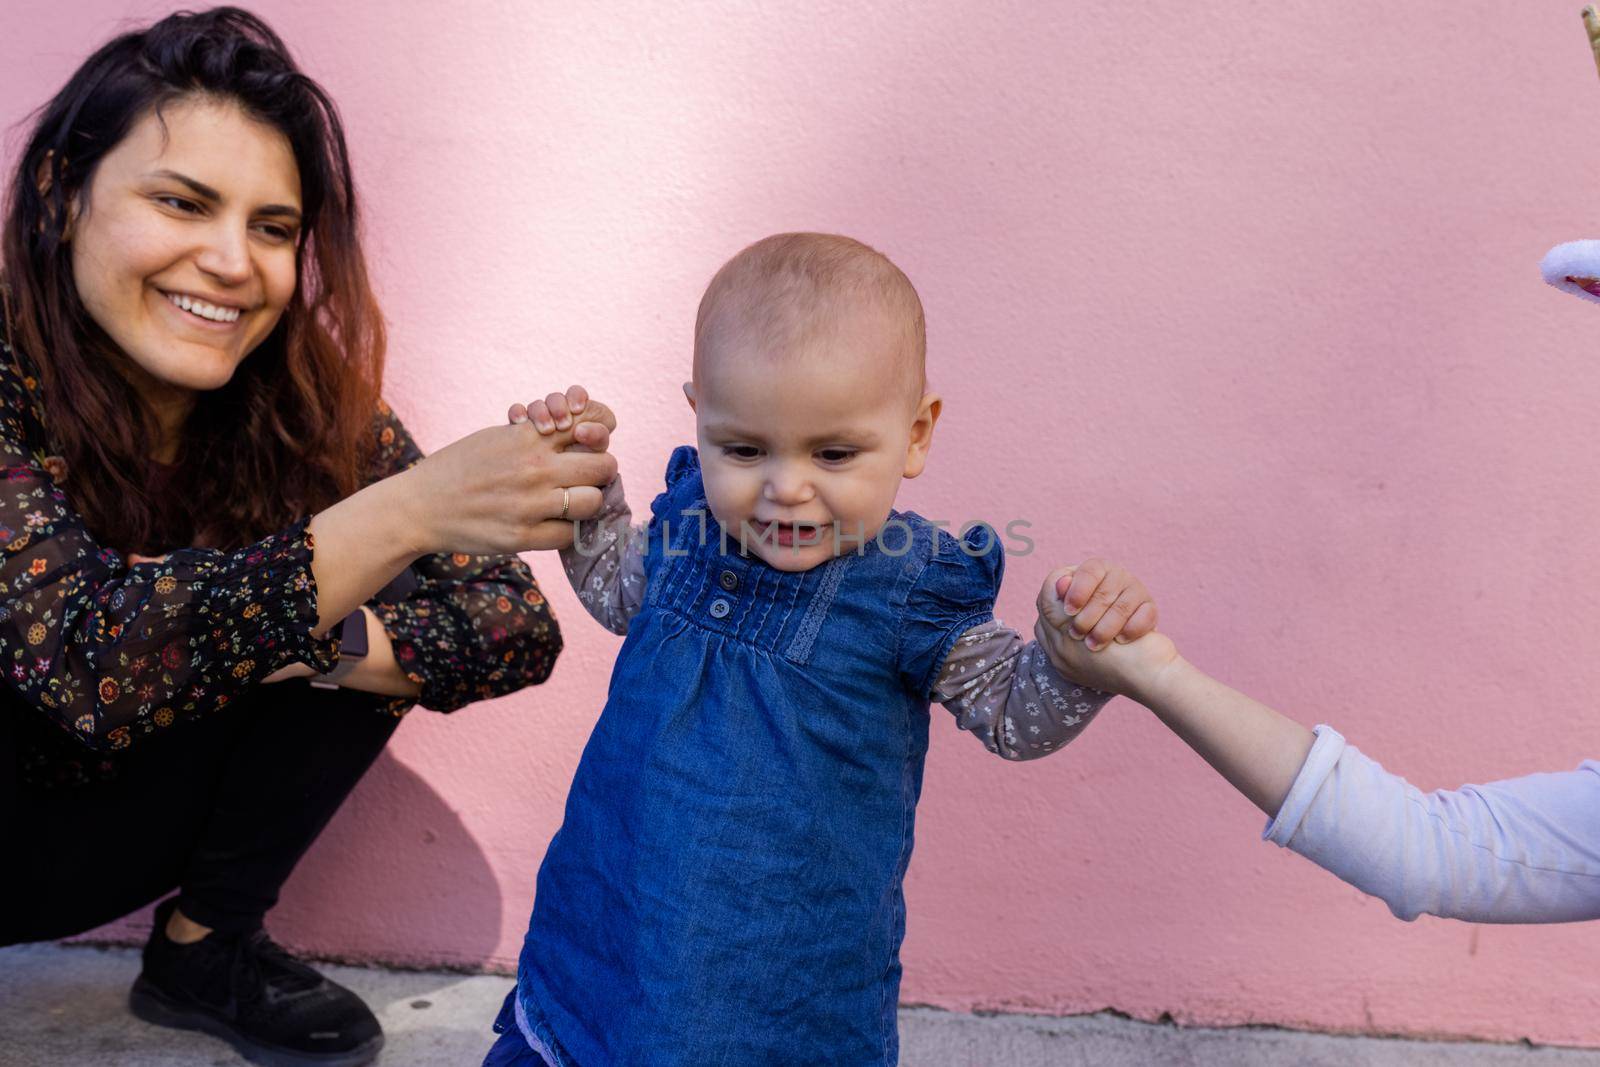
x=154, y=1007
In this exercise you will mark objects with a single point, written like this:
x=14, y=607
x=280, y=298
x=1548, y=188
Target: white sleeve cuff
x=1319, y=764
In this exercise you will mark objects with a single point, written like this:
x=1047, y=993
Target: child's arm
x=605, y=564
x=1523, y=850
x=1007, y=693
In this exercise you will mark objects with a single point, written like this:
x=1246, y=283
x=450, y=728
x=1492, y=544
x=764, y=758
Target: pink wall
x=1254, y=294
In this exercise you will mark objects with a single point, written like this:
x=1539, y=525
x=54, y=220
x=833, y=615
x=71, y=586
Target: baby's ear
x=688, y=394
x=927, y=416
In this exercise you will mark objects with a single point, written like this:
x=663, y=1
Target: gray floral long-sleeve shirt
x=1001, y=688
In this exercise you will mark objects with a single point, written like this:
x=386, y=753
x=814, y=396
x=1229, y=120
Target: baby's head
x=809, y=395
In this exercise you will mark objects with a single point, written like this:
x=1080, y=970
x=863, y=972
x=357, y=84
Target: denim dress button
x=719, y=608
x=728, y=580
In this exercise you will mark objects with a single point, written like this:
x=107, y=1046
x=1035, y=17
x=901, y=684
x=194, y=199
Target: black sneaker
x=247, y=990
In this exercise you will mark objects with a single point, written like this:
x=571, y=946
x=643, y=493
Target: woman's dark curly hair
x=292, y=431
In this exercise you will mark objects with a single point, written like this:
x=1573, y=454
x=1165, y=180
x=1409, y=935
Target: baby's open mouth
x=787, y=534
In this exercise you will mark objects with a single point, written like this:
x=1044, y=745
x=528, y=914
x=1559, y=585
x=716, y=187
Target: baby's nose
x=788, y=489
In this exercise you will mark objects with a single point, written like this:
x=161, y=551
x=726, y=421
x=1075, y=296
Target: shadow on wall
x=382, y=884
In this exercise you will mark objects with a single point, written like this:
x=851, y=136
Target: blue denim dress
x=726, y=886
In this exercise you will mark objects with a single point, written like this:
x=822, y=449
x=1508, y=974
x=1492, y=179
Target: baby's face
x=804, y=451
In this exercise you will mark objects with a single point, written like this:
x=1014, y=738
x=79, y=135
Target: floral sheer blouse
x=113, y=653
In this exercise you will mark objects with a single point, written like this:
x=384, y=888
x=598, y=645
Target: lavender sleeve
x=605, y=565
x=1522, y=850
x=1010, y=696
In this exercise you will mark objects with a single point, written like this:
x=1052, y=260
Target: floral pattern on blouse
x=113, y=652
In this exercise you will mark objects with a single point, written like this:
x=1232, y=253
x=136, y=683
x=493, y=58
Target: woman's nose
x=226, y=255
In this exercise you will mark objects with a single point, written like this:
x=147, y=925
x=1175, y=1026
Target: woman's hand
x=500, y=491
x=511, y=488
x=292, y=671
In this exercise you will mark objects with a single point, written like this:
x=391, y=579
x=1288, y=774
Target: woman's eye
x=178, y=203
x=836, y=455
x=741, y=451
x=276, y=231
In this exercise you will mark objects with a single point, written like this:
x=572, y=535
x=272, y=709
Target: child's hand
x=590, y=421
x=1105, y=603
x=1120, y=667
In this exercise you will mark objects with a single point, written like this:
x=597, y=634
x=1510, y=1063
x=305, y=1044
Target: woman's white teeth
x=203, y=309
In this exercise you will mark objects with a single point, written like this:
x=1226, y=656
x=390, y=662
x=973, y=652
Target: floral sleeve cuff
x=425, y=652
x=261, y=604
x=474, y=640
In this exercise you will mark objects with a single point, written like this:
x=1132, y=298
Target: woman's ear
x=45, y=179
x=922, y=424
x=688, y=394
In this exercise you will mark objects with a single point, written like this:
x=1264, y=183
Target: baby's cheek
x=865, y=502
x=726, y=496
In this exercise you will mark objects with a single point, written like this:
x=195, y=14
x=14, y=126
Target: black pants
x=221, y=808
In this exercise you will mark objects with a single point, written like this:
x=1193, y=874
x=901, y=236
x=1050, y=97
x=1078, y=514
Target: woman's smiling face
x=184, y=246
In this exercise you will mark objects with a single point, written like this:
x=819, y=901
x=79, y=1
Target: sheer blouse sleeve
x=464, y=628
x=113, y=652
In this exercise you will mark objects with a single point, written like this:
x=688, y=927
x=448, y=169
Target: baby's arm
x=605, y=564
x=1523, y=850
x=1010, y=697
x=1008, y=694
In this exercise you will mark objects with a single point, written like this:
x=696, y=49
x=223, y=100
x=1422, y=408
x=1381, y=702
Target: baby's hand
x=1123, y=666
x=590, y=421
x=1105, y=603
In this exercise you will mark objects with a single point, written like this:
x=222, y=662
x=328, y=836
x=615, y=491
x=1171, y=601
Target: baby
x=726, y=886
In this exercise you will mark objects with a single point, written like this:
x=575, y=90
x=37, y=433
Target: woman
x=206, y=502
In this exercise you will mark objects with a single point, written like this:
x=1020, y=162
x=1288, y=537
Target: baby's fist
x=589, y=421
x=1123, y=666
x=1105, y=603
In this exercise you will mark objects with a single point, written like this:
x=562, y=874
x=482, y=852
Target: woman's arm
x=114, y=652
x=469, y=627
x=378, y=672
x=494, y=492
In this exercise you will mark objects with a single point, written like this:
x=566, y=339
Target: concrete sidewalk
x=66, y=1005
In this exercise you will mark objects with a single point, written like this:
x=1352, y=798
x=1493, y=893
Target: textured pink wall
x=1246, y=297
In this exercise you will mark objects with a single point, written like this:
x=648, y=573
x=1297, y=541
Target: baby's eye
x=741, y=451
x=837, y=455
